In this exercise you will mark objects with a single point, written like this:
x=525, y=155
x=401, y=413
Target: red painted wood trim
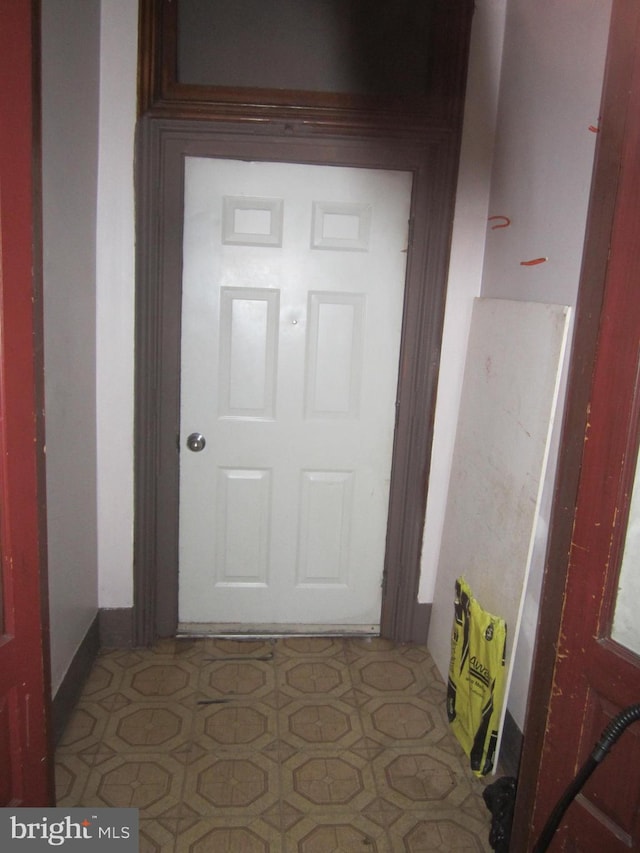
x=24, y=659
x=601, y=427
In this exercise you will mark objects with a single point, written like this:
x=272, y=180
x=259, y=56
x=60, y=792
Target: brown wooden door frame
x=163, y=144
x=26, y=756
x=421, y=136
x=596, y=458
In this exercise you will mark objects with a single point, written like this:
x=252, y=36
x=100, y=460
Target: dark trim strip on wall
x=116, y=628
x=110, y=629
x=420, y=620
x=511, y=748
x=72, y=684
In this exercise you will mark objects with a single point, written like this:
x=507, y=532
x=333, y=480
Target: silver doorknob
x=196, y=442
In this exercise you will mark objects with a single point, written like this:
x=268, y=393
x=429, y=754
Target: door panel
x=596, y=677
x=293, y=287
x=248, y=352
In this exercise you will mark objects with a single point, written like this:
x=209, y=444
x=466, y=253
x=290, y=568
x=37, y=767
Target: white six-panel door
x=293, y=284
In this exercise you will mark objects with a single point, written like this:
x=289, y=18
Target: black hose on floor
x=609, y=736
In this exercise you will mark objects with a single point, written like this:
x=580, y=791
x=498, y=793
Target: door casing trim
x=162, y=146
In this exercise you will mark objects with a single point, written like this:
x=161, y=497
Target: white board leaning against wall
x=507, y=410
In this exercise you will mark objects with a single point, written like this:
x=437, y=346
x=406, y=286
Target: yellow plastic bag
x=475, y=687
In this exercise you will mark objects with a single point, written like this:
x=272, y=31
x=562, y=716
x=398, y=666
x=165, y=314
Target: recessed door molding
x=163, y=145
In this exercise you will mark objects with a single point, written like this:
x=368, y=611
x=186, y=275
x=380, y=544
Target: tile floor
x=298, y=745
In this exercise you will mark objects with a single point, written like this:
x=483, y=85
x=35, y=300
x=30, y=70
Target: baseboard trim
x=420, y=619
x=511, y=749
x=116, y=628
x=70, y=689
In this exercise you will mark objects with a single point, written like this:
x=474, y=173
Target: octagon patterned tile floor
x=298, y=745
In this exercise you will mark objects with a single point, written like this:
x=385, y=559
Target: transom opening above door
x=337, y=62
x=346, y=47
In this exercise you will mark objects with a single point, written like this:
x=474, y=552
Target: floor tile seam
x=114, y=749
x=469, y=822
x=341, y=707
x=190, y=741
x=376, y=705
x=127, y=690
x=334, y=746
x=98, y=699
x=136, y=755
x=173, y=833
x=378, y=779
x=289, y=690
x=87, y=773
x=309, y=747
x=393, y=663
x=144, y=813
x=165, y=660
x=180, y=848
x=215, y=700
x=365, y=694
x=162, y=670
x=92, y=701
x=422, y=745
x=239, y=752
x=389, y=697
x=92, y=755
x=122, y=728
x=319, y=750
x=278, y=733
x=164, y=820
x=112, y=687
x=233, y=821
x=286, y=655
x=321, y=813
x=430, y=808
x=416, y=685
x=151, y=700
x=347, y=819
x=155, y=702
x=241, y=816
x=81, y=741
x=315, y=699
x=257, y=744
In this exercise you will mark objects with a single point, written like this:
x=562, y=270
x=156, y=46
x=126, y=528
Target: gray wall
x=552, y=72
x=70, y=103
x=550, y=83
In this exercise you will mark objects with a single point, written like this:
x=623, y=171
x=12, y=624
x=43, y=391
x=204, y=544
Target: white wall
x=465, y=267
x=550, y=97
x=551, y=83
x=115, y=301
x=70, y=50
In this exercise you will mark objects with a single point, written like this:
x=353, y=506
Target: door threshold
x=233, y=630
